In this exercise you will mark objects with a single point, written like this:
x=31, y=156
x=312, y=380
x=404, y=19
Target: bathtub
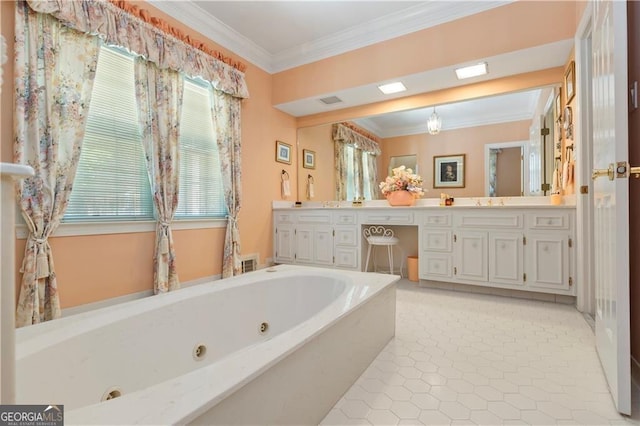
x=276, y=346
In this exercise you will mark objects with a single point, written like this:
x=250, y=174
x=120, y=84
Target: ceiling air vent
x=330, y=100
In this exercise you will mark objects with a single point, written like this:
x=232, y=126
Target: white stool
x=381, y=236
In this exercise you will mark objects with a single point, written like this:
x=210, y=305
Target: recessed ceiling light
x=392, y=88
x=472, y=71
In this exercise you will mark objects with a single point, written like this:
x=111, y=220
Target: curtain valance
x=344, y=134
x=119, y=27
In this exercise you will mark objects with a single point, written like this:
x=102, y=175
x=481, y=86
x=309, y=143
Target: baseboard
x=497, y=291
x=129, y=297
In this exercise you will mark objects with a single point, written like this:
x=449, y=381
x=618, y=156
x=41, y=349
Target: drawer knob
x=549, y=222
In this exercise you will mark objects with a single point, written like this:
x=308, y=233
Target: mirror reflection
x=500, y=137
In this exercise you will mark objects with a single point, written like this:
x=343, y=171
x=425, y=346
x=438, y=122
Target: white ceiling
x=277, y=35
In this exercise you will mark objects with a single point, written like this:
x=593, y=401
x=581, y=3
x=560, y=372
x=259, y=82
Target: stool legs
x=366, y=267
x=390, y=254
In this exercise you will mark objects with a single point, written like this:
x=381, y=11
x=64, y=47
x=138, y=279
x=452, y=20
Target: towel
x=556, y=182
x=286, y=188
x=565, y=174
x=310, y=191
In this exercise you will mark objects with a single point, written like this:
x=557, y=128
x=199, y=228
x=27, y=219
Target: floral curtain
x=54, y=72
x=493, y=164
x=159, y=97
x=341, y=170
x=117, y=26
x=226, y=120
x=350, y=169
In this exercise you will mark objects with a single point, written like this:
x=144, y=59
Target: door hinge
x=455, y=238
x=295, y=232
x=334, y=232
x=334, y=259
x=524, y=240
x=295, y=256
x=633, y=96
x=584, y=189
x=524, y=277
x=570, y=242
x=544, y=131
x=276, y=230
x=545, y=187
x=455, y=271
x=570, y=281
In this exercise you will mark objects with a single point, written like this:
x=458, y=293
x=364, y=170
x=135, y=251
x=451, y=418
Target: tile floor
x=461, y=358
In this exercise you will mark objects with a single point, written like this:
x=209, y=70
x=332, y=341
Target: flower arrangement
x=402, y=179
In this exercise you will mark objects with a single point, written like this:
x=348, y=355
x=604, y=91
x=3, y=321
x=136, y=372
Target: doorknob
x=635, y=171
x=603, y=172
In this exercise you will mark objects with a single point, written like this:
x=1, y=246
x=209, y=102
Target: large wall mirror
x=500, y=137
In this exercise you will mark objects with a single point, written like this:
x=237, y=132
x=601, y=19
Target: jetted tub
x=277, y=346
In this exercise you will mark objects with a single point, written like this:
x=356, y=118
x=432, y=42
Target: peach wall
x=93, y=268
x=509, y=172
x=469, y=141
x=516, y=26
x=320, y=140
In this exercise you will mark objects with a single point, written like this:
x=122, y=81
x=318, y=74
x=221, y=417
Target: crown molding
x=211, y=27
x=406, y=21
x=416, y=18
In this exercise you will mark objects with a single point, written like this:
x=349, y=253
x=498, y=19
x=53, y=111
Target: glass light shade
x=434, y=124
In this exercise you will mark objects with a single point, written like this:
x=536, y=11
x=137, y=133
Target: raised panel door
x=506, y=258
x=471, y=256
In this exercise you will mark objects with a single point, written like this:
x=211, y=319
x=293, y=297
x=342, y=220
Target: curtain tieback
x=42, y=257
x=163, y=244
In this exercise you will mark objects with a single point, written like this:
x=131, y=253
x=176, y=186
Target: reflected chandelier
x=434, y=123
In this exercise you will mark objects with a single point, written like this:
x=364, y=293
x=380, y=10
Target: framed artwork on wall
x=448, y=171
x=309, y=159
x=283, y=152
x=570, y=82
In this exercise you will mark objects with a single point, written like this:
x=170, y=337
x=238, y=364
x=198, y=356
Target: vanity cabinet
x=317, y=237
x=549, y=251
x=523, y=249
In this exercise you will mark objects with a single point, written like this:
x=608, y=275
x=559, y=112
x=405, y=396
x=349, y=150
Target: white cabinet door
x=323, y=245
x=506, y=258
x=471, y=256
x=547, y=257
x=285, y=244
x=304, y=244
x=435, y=266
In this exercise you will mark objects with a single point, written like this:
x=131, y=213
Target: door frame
x=585, y=295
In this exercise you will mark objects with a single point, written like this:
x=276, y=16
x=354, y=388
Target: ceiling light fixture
x=434, y=123
x=472, y=71
x=396, y=87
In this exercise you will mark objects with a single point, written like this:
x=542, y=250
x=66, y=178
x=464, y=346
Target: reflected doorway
x=506, y=172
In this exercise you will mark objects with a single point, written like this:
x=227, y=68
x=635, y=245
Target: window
x=112, y=181
x=201, y=193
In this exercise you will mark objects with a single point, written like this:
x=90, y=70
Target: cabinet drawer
x=346, y=257
x=314, y=217
x=437, y=219
x=548, y=220
x=284, y=217
x=391, y=218
x=435, y=266
x=344, y=218
x=436, y=240
x=490, y=220
x=347, y=236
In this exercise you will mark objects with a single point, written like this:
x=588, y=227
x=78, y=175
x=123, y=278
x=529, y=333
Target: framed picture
x=283, y=152
x=570, y=82
x=558, y=106
x=448, y=171
x=308, y=159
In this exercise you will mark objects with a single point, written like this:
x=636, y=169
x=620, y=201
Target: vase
x=400, y=198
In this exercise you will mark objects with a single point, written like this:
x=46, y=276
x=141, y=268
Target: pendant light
x=434, y=124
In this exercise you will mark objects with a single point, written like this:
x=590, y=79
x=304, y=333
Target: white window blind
x=201, y=193
x=112, y=182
